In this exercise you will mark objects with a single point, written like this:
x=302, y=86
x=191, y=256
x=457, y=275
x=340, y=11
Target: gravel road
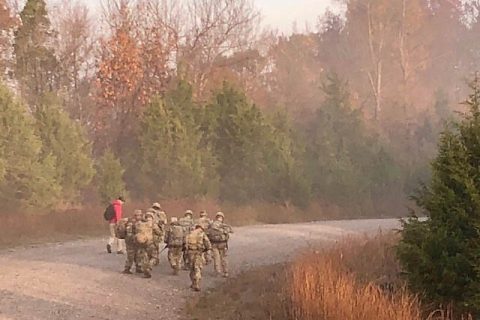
x=79, y=280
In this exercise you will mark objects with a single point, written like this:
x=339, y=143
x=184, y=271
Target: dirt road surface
x=79, y=280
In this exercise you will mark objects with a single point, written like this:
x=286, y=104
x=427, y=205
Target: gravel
x=79, y=280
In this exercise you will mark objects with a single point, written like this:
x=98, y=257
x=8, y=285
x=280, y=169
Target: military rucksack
x=144, y=233
x=194, y=241
x=217, y=235
x=109, y=213
x=176, y=236
x=121, y=229
x=186, y=224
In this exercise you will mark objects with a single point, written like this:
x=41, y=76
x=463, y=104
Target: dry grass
x=357, y=279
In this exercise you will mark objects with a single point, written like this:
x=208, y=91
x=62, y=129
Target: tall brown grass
x=357, y=280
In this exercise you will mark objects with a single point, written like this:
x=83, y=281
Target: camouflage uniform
x=175, y=246
x=130, y=243
x=196, y=243
x=160, y=219
x=146, y=252
x=205, y=222
x=220, y=248
x=187, y=224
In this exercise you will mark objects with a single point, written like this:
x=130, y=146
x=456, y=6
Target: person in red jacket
x=117, y=206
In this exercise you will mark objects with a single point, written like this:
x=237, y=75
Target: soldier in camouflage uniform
x=219, y=233
x=160, y=219
x=130, y=243
x=196, y=244
x=175, y=240
x=205, y=222
x=187, y=224
x=146, y=250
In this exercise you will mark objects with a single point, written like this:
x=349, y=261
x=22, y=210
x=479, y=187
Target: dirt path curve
x=79, y=280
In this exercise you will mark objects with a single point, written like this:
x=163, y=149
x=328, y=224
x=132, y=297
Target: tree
x=7, y=24
x=109, y=178
x=440, y=254
x=74, y=46
x=27, y=179
x=120, y=96
x=170, y=161
x=36, y=64
x=65, y=140
x=346, y=163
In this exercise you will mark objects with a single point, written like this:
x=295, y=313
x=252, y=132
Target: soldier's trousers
x=156, y=253
x=186, y=260
x=146, y=256
x=131, y=256
x=219, y=253
x=196, y=265
x=175, y=257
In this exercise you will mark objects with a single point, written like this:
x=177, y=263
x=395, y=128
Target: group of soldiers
x=191, y=243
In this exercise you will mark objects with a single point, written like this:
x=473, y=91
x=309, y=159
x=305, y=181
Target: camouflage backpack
x=144, y=233
x=121, y=229
x=194, y=241
x=217, y=235
x=186, y=224
x=176, y=236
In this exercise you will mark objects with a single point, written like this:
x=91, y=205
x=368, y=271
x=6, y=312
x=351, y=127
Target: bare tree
x=216, y=29
x=75, y=46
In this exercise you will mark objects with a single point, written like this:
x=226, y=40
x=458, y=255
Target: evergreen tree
x=169, y=158
x=347, y=165
x=440, y=255
x=237, y=130
x=28, y=177
x=109, y=178
x=36, y=64
x=65, y=140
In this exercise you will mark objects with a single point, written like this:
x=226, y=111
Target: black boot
x=109, y=248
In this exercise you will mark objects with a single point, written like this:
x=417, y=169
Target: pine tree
x=65, y=140
x=28, y=178
x=346, y=163
x=36, y=64
x=440, y=255
x=169, y=158
x=109, y=178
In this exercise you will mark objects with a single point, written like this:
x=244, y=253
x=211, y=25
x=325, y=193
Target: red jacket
x=117, y=206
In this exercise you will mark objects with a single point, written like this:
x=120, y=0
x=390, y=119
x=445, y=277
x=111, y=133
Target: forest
x=196, y=99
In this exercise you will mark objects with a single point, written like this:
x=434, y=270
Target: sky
x=281, y=14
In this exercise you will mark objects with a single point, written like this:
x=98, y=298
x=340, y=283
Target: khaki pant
x=219, y=253
x=119, y=243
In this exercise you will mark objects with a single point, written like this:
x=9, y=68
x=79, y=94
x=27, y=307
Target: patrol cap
x=156, y=205
x=199, y=226
x=220, y=214
x=190, y=212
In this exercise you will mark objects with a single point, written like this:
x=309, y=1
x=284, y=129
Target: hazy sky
x=282, y=13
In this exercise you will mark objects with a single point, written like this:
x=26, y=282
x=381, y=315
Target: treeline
x=226, y=149
x=182, y=99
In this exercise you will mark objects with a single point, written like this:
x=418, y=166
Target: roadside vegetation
x=358, y=278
